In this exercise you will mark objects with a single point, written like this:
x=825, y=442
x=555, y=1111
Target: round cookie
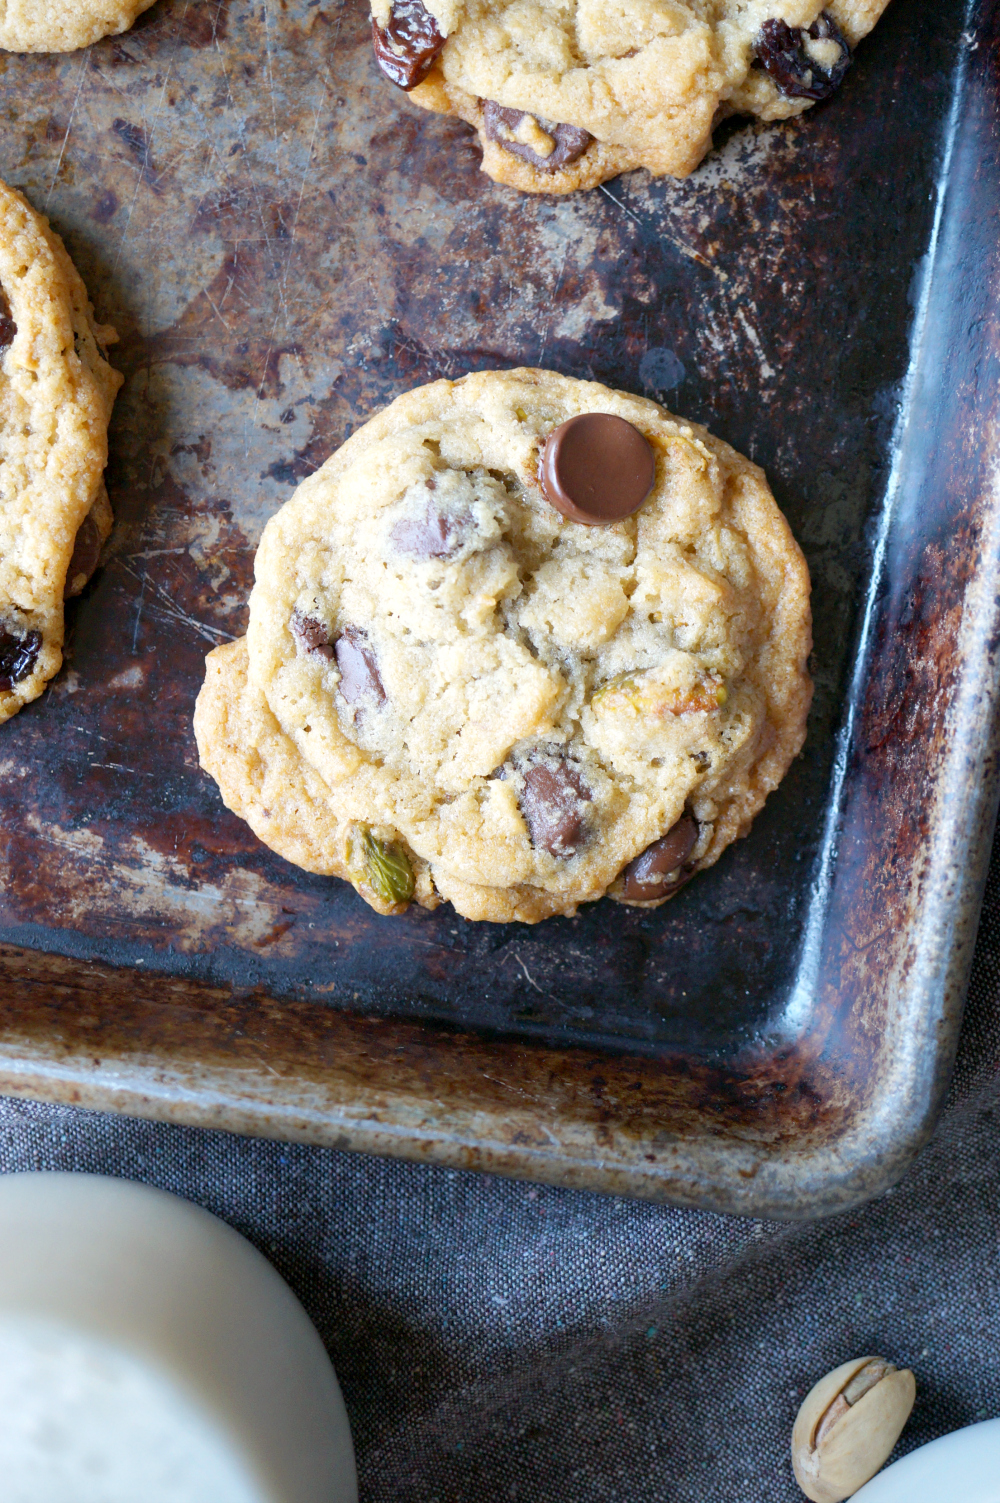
x=58, y=26
x=518, y=704
x=568, y=93
x=56, y=394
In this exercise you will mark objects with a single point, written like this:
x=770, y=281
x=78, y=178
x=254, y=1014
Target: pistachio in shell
x=847, y=1426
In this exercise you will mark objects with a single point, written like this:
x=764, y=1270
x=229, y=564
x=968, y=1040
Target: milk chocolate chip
x=552, y=804
x=359, y=676
x=18, y=655
x=514, y=130
x=311, y=635
x=429, y=535
x=802, y=72
x=8, y=328
x=405, y=49
x=86, y=552
x=596, y=469
x=646, y=878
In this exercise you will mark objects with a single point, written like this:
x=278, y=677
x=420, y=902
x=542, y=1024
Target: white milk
x=81, y=1421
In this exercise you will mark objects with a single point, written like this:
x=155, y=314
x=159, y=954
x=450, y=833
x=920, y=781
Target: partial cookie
x=568, y=93
x=285, y=802
x=56, y=394
x=58, y=26
x=496, y=704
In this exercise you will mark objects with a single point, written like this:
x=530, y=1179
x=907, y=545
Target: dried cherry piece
x=18, y=655
x=552, y=804
x=311, y=635
x=8, y=328
x=359, y=675
x=646, y=876
x=782, y=51
x=501, y=123
x=405, y=50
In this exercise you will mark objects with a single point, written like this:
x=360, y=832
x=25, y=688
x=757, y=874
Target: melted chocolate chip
x=552, y=804
x=597, y=469
x=429, y=535
x=405, y=49
x=501, y=126
x=359, y=676
x=18, y=655
x=8, y=328
x=646, y=876
x=782, y=52
x=86, y=552
x=311, y=635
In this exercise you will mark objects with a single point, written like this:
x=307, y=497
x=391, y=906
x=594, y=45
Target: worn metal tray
x=284, y=243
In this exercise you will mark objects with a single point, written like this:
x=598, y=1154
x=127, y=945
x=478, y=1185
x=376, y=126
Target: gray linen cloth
x=499, y=1341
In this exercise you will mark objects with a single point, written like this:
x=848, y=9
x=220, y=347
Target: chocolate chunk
x=311, y=635
x=551, y=803
x=596, y=469
x=783, y=53
x=405, y=49
x=18, y=655
x=86, y=552
x=646, y=876
x=502, y=124
x=359, y=676
x=429, y=535
x=8, y=328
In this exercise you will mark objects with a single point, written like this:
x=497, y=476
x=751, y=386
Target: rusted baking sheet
x=284, y=243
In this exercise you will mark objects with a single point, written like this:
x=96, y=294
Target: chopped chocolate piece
x=799, y=71
x=8, y=328
x=311, y=635
x=86, y=552
x=405, y=49
x=597, y=469
x=429, y=535
x=646, y=878
x=552, y=804
x=514, y=129
x=359, y=676
x=18, y=655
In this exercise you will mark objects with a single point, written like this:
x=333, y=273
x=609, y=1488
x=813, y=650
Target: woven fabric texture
x=499, y=1341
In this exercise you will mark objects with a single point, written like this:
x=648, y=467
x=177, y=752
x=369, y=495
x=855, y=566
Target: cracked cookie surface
x=568, y=93
x=518, y=705
x=56, y=394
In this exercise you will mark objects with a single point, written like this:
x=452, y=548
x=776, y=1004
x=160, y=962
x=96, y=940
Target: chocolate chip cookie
x=56, y=394
x=567, y=93
x=521, y=642
x=59, y=26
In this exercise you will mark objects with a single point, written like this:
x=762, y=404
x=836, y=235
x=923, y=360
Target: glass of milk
x=149, y=1354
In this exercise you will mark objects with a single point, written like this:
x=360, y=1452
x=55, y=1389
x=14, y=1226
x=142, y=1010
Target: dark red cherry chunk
x=18, y=655
x=406, y=48
x=781, y=52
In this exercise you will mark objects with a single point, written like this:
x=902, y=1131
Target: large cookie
x=567, y=93
x=56, y=395
x=62, y=26
x=499, y=705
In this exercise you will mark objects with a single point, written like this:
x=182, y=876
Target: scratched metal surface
x=284, y=243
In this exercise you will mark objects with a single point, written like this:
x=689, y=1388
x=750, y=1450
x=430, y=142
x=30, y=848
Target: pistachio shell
x=853, y=1448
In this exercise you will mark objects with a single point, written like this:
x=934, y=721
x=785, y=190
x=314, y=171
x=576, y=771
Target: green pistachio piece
x=385, y=867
